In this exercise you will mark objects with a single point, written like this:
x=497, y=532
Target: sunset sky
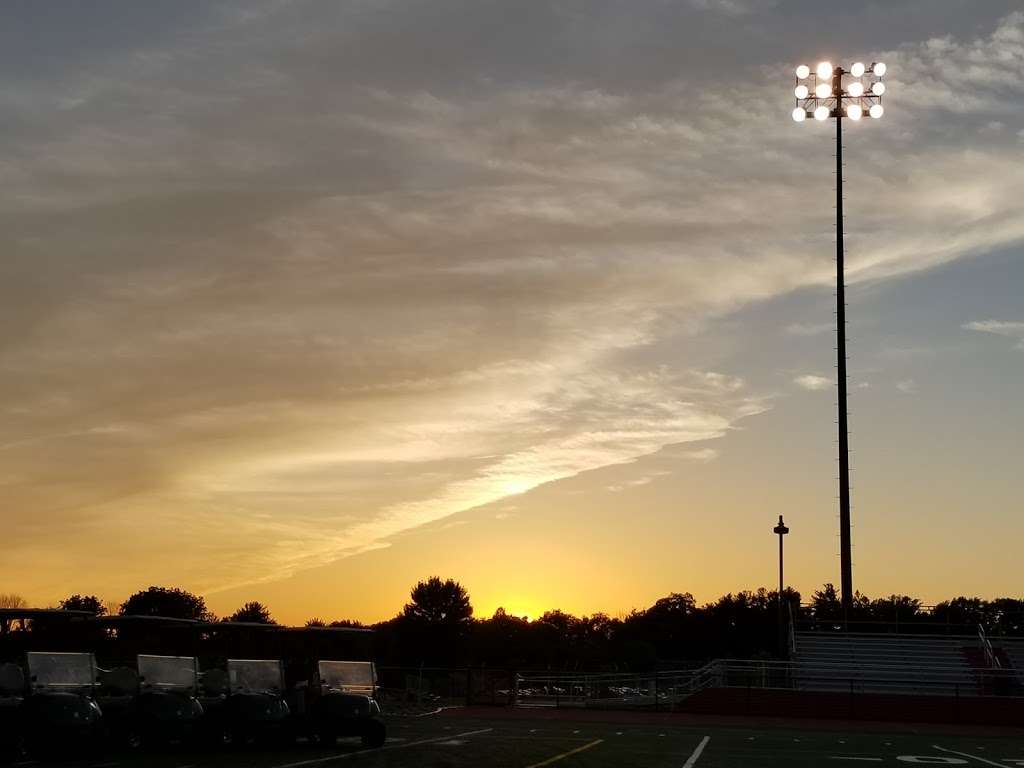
x=305, y=301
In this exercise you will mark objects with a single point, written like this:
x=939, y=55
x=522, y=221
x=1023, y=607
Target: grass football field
x=537, y=739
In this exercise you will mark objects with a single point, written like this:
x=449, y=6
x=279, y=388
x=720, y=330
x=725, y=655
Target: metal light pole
x=781, y=530
x=825, y=94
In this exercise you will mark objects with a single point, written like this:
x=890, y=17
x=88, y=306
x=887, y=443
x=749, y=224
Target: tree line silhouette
x=437, y=626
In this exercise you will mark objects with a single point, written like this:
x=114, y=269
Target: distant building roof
x=143, y=618
x=40, y=613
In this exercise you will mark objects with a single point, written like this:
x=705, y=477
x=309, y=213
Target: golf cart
x=153, y=706
x=339, y=702
x=61, y=707
x=247, y=704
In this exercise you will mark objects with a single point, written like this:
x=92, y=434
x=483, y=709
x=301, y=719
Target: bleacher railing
x=664, y=689
x=986, y=647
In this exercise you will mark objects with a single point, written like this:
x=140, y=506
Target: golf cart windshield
x=252, y=676
x=168, y=672
x=61, y=670
x=349, y=676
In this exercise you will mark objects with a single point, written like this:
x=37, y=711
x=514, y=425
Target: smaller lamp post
x=781, y=530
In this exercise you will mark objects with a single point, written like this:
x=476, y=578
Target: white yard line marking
x=346, y=755
x=564, y=755
x=692, y=760
x=968, y=754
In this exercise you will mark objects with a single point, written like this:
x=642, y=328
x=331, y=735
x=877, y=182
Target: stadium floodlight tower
x=837, y=93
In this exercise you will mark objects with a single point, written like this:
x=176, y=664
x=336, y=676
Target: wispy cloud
x=907, y=386
x=1010, y=329
x=809, y=329
x=813, y=382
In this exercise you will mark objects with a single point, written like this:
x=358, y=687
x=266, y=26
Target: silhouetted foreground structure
x=960, y=654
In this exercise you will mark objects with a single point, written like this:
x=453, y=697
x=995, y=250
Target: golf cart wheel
x=285, y=737
x=14, y=750
x=327, y=738
x=133, y=739
x=221, y=738
x=374, y=734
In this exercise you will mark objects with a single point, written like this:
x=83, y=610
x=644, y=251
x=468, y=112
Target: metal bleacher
x=891, y=663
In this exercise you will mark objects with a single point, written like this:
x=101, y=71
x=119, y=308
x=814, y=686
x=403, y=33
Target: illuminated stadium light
x=840, y=93
x=801, y=91
x=803, y=72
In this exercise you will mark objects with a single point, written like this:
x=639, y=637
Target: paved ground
x=461, y=740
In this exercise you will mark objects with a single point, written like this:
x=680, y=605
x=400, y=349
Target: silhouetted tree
x=826, y=603
x=1004, y=616
x=316, y=623
x=433, y=626
x=253, y=612
x=960, y=611
x=351, y=623
x=164, y=601
x=439, y=603
x=12, y=600
x=895, y=608
x=89, y=603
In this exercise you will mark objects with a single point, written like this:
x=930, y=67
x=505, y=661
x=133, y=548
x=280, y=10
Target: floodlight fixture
x=803, y=72
x=837, y=93
x=801, y=91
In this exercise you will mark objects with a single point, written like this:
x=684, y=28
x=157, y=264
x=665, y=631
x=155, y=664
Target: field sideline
x=534, y=739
